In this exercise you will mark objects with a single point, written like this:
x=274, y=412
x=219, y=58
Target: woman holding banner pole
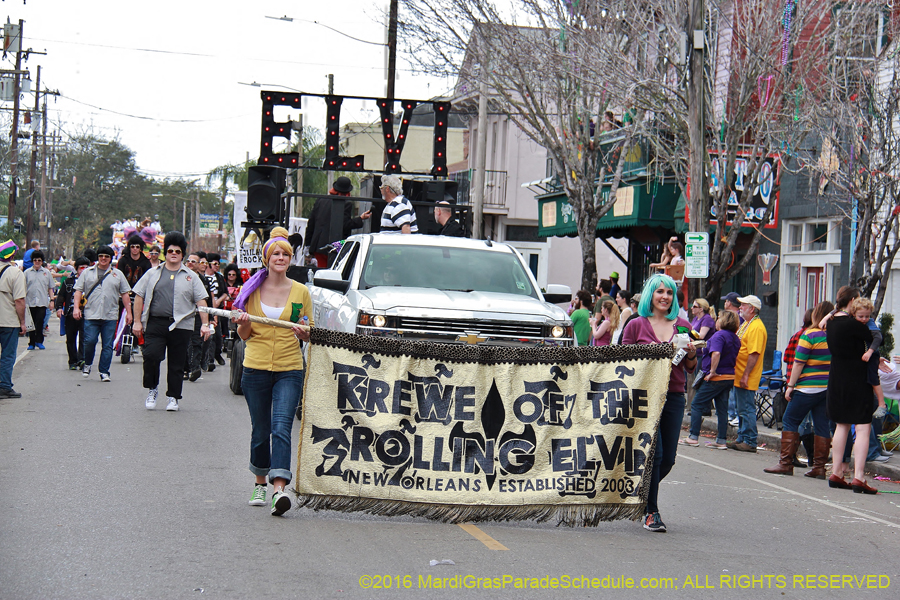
x=659, y=323
x=273, y=366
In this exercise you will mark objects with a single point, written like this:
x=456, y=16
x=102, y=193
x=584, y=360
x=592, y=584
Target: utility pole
x=29, y=225
x=479, y=179
x=44, y=212
x=392, y=49
x=14, y=141
x=699, y=220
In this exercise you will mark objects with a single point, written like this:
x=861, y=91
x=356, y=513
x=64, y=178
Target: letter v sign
x=394, y=147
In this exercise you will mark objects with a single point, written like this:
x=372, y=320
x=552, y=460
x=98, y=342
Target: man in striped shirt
x=399, y=215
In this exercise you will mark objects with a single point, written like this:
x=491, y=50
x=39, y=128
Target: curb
x=772, y=440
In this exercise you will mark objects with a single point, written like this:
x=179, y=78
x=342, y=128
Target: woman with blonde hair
x=703, y=318
x=273, y=366
x=603, y=330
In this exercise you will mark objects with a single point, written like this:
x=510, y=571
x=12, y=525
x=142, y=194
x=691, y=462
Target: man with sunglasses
x=194, y=360
x=165, y=300
x=103, y=285
x=218, y=294
x=134, y=264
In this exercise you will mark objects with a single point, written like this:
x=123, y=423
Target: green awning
x=635, y=206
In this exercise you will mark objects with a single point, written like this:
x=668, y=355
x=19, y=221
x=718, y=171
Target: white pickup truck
x=442, y=289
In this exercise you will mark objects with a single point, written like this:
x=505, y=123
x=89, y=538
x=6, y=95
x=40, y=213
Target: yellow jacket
x=271, y=348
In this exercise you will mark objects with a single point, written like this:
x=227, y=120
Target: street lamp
x=259, y=85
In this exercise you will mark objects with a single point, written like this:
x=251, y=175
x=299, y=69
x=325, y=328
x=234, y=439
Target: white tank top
x=273, y=312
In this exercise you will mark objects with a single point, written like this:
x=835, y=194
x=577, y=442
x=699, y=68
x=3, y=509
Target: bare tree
x=730, y=108
x=857, y=120
x=546, y=65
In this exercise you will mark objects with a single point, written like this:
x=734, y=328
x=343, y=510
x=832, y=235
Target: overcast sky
x=163, y=77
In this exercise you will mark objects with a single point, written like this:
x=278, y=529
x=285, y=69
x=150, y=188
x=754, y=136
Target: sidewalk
x=770, y=439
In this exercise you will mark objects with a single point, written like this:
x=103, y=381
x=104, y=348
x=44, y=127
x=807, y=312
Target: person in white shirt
x=399, y=216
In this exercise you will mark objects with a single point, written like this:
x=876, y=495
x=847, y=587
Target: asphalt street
x=101, y=498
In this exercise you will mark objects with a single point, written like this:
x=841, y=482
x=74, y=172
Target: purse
x=698, y=379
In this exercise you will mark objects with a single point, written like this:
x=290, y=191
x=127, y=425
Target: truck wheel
x=237, y=367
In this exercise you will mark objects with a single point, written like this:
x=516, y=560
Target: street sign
x=697, y=251
x=696, y=269
x=696, y=255
x=696, y=237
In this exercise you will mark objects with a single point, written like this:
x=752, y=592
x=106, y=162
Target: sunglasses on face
x=173, y=251
x=134, y=246
x=191, y=260
x=104, y=256
x=203, y=262
x=154, y=254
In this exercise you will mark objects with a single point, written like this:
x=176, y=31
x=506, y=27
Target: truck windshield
x=449, y=269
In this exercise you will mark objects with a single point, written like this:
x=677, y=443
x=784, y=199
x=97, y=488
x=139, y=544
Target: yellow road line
x=482, y=537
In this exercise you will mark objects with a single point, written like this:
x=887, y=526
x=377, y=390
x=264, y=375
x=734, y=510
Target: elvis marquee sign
x=468, y=433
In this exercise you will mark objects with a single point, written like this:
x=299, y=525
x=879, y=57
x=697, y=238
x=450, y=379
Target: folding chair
x=771, y=383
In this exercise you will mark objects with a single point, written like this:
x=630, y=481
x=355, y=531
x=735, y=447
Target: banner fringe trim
x=584, y=515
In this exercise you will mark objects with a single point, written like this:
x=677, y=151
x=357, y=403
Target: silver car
x=442, y=289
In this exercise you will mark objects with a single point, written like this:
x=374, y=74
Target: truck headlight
x=379, y=321
x=558, y=331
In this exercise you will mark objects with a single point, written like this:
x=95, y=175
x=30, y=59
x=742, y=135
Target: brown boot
x=820, y=457
x=790, y=441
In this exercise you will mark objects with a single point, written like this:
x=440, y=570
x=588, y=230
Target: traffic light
x=394, y=146
x=439, y=157
x=264, y=188
x=272, y=129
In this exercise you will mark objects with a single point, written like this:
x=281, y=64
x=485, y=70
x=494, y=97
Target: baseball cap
x=752, y=301
x=732, y=297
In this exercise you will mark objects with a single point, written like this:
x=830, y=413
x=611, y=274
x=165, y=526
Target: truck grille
x=455, y=327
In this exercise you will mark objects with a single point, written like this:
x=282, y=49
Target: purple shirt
x=640, y=331
x=728, y=345
x=704, y=321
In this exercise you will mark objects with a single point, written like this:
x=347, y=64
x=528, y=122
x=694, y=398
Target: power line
x=152, y=118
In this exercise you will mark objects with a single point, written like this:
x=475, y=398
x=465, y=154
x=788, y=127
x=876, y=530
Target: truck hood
x=462, y=305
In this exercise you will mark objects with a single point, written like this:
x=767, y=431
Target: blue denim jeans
x=800, y=405
x=9, y=342
x=105, y=330
x=666, y=445
x=272, y=398
x=709, y=392
x=746, y=407
x=732, y=405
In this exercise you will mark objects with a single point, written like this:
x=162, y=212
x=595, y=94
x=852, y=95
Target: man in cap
x=733, y=303
x=614, y=289
x=399, y=216
x=318, y=229
x=748, y=371
x=12, y=316
x=443, y=214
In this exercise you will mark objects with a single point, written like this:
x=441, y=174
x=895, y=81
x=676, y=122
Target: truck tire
x=237, y=367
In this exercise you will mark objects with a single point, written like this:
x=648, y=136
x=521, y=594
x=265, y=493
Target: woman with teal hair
x=659, y=323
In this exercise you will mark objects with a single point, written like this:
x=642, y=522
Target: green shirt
x=582, y=326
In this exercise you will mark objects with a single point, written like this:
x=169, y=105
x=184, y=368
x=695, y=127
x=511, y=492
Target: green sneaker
x=281, y=503
x=259, y=496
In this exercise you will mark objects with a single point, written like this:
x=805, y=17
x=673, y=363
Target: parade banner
x=467, y=433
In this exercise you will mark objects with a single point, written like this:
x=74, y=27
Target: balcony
x=495, y=189
x=640, y=201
